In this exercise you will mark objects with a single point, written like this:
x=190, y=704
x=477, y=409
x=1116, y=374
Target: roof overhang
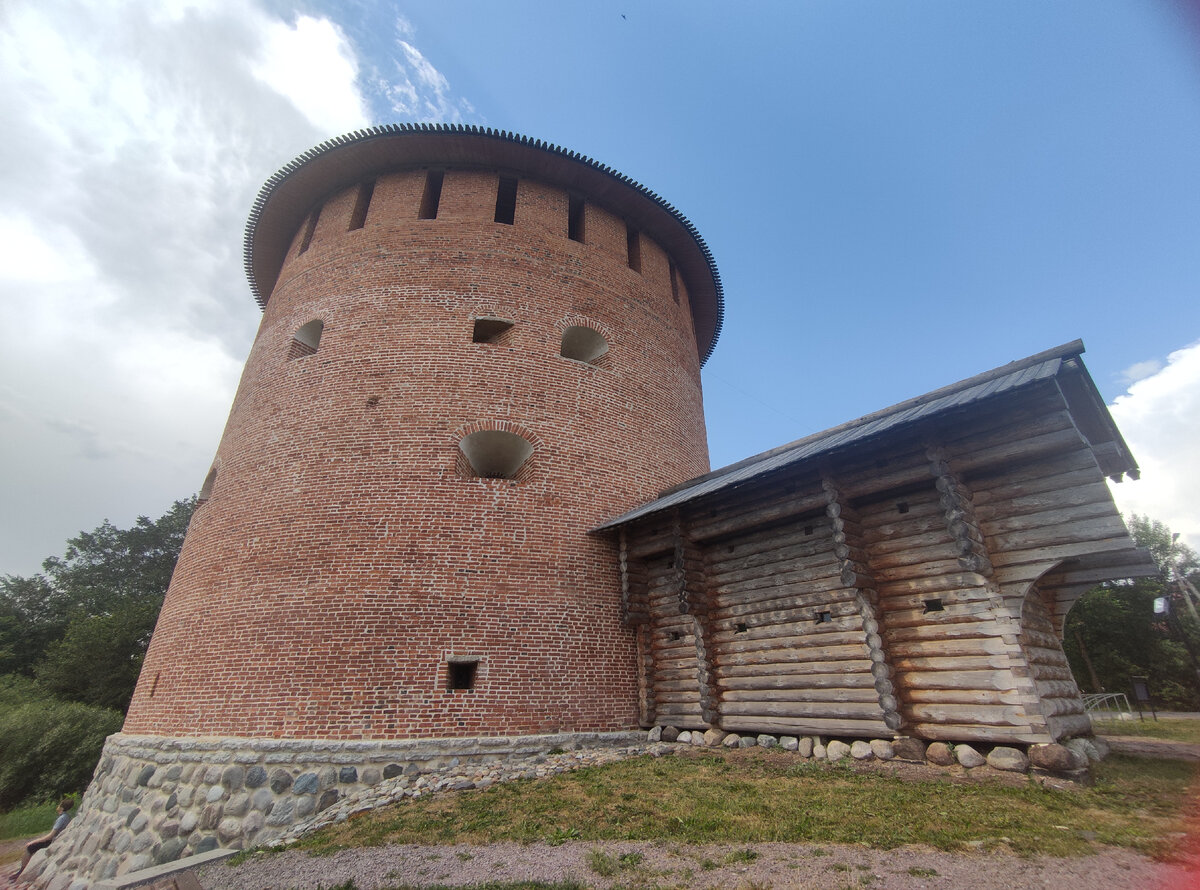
x=289, y=195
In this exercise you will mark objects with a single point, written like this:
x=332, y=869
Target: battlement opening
x=495, y=454
x=583, y=344
x=361, y=205
x=432, y=196
x=490, y=330
x=506, y=200
x=633, y=248
x=575, y=219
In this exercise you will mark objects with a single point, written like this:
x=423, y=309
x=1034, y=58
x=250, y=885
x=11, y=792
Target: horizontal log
x=979, y=611
x=1038, y=539
x=968, y=697
x=886, y=511
x=1027, y=521
x=972, y=732
x=765, y=579
x=1050, y=690
x=788, y=540
x=986, y=679
x=981, y=715
x=749, y=519
x=930, y=585
x=819, y=698
x=1069, y=724
x=1057, y=707
x=945, y=565
x=1064, y=551
x=971, y=662
x=785, y=622
x=799, y=710
x=938, y=646
x=966, y=442
x=891, y=535
x=968, y=630
x=1043, y=501
x=798, y=635
x=799, y=681
x=816, y=659
x=731, y=605
x=749, y=725
x=890, y=548
x=1061, y=471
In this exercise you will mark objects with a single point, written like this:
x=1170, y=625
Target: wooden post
x=848, y=548
x=691, y=576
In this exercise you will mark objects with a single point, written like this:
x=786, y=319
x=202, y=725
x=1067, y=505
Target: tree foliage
x=83, y=625
x=1113, y=632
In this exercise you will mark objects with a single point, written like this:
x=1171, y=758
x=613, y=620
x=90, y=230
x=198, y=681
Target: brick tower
x=474, y=348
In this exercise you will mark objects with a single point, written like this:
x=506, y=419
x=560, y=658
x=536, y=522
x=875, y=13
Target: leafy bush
x=47, y=747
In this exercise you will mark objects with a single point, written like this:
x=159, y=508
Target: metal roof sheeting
x=1026, y=372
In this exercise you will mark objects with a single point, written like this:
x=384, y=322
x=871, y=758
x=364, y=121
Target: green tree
x=1116, y=626
x=83, y=626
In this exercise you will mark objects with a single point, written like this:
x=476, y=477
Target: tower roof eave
x=289, y=195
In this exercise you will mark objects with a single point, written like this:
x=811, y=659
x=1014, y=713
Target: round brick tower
x=474, y=348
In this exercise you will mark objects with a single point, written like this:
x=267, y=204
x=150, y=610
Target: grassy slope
x=707, y=799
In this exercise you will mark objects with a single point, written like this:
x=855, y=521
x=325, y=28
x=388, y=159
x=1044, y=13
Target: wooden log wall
x=884, y=592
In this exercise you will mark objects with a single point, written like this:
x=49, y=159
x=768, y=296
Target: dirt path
x=650, y=865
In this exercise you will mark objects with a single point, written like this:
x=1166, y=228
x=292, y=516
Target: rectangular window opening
x=361, y=205
x=902, y=507
x=461, y=675
x=309, y=228
x=674, y=281
x=808, y=529
x=934, y=605
x=506, y=200
x=824, y=617
x=432, y=195
x=633, y=248
x=575, y=220
x=741, y=628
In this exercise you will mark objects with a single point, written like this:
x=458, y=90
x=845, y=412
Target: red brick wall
x=342, y=556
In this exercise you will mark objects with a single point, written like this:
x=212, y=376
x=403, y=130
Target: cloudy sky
x=897, y=195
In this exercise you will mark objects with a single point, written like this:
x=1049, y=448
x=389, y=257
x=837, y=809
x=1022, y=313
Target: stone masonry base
x=154, y=799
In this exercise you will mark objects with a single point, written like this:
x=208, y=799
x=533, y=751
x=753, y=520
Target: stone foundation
x=155, y=799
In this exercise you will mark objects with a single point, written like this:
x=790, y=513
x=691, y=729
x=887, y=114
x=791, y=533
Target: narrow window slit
x=675, y=635
x=506, y=200
x=362, y=204
x=432, y=196
x=808, y=529
x=824, y=617
x=933, y=605
x=633, y=248
x=309, y=228
x=575, y=219
x=902, y=507
x=674, y=281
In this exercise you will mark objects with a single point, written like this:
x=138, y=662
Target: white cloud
x=311, y=63
x=1140, y=370
x=415, y=88
x=1160, y=419
x=139, y=134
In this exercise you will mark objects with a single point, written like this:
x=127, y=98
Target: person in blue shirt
x=40, y=843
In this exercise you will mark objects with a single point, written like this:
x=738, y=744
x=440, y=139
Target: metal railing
x=1107, y=706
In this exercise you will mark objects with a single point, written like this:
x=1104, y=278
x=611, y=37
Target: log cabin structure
x=906, y=573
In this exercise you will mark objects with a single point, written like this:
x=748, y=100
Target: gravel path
x=783, y=866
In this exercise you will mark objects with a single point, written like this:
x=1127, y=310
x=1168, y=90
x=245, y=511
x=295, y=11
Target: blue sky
x=898, y=195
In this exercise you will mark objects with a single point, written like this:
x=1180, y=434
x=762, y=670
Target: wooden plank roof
x=1062, y=363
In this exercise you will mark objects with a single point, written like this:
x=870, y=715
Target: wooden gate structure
x=907, y=573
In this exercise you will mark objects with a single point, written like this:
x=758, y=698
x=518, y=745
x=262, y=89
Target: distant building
x=462, y=509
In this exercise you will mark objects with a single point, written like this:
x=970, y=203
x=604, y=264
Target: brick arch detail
x=581, y=321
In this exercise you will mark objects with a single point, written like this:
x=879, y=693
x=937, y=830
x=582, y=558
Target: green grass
x=1175, y=730
x=707, y=799
x=27, y=821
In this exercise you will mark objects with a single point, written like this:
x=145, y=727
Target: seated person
x=40, y=843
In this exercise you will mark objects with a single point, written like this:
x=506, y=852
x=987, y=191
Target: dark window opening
x=933, y=605
x=674, y=281
x=575, y=220
x=633, y=248
x=741, y=628
x=154, y=684
x=675, y=635
x=825, y=617
x=309, y=228
x=808, y=529
x=361, y=205
x=902, y=507
x=506, y=200
x=461, y=675
x=488, y=330
x=432, y=195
